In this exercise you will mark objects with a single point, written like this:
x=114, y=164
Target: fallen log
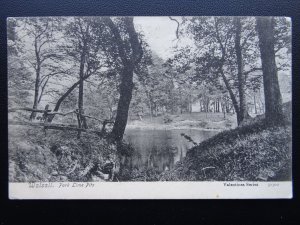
x=61, y=113
x=56, y=127
x=49, y=113
x=94, y=118
x=89, y=167
x=25, y=123
x=40, y=111
x=27, y=109
x=14, y=122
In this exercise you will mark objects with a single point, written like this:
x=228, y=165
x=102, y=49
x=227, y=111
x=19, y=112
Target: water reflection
x=160, y=149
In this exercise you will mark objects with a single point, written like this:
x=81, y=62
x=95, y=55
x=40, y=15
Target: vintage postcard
x=149, y=107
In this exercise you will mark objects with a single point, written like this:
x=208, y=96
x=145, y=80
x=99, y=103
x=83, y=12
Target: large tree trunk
x=228, y=87
x=81, y=119
x=273, y=101
x=129, y=63
x=124, y=103
x=241, y=81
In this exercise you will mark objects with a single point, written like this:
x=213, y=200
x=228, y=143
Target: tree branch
x=246, y=38
x=177, y=29
x=252, y=70
x=26, y=109
x=43, y=88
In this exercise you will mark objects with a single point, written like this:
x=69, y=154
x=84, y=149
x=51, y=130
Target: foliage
x=167, y=119
x=212, y=60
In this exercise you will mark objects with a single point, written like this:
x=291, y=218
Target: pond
x=161, y=149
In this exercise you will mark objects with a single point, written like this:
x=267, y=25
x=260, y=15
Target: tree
x=240, y=69
x=65, y=95
x=102, y=98
x=78, y=32
x=157, y=85
x=222, y=47
x=130, y=53
x=19, y=79
x=41, y=50
x=273, y=102
x=83, y=47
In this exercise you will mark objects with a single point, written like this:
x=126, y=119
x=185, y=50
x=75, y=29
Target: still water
x=161, y=149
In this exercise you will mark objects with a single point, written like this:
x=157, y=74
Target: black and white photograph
x=171, y=100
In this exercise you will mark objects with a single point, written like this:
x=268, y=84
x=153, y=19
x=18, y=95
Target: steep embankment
x=254, y=152
x=57, y=156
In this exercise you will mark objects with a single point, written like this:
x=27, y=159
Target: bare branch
x=43, y=88
x=252, y=70
x=40, y=34
x=26, y=109
x=247, y=37
x=177, y=30
x=43, y=43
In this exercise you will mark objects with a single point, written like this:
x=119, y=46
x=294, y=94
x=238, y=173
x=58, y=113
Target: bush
x=203, y=124
x=167, y=119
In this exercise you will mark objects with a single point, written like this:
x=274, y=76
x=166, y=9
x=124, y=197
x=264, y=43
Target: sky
x=160, y=33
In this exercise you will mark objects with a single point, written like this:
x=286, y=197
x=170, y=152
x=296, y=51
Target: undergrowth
x=58, y=156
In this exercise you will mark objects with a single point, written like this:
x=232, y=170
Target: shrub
x=167, y=119
x=203, y=124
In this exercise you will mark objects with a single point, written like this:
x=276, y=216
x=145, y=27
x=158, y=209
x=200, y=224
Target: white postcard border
x=151, y=190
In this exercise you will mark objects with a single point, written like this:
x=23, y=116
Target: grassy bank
x=255, y=152
x=57, y=156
